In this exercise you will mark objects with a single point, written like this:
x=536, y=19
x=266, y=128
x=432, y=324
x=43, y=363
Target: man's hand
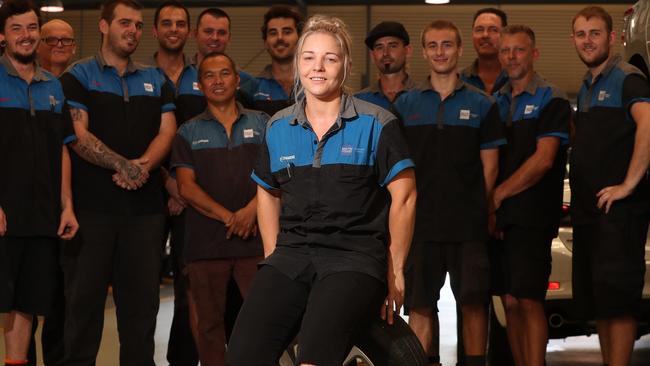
x=395, y=299
x=175, y=206
x=132, y=174
x=68, y=224
x=3, y=222
x=243, y=223
x=608, y=195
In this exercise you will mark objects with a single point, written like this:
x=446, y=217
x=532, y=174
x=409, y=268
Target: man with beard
x=123, y=116
x=172, y=28
x=390, y=49
x=35, y=193
x=57, y=47
x=528, y=195
x=485, y=72
x=272, y=90
x=453, y=130
x=610, y=188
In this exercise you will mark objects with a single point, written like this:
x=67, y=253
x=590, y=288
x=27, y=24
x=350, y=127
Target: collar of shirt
x=131, y=66
x=207, y=115
x=187, y=61
x=408, y=83
x=426, y=85
x=611, y=63
x=531, y=87
x=39, y=74
x=348, y=111
x=267, y=72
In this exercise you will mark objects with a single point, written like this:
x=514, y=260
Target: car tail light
x=553, y=286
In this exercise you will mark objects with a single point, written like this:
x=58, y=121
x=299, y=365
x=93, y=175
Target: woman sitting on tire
x=336, y=202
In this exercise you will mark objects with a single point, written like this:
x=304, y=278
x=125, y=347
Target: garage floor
x=575, y=351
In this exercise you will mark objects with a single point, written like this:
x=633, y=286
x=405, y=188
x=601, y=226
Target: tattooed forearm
x=95, y=152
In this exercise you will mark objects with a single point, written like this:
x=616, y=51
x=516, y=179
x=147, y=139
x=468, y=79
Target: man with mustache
x=610, y=187
x=123, y=116
x=390, y=50
x=35, y=193
x=272, y=89
x=454, y=132
x=528, y=195
x=485, y=72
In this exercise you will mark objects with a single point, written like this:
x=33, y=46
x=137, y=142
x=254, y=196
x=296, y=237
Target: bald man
x=57, y=47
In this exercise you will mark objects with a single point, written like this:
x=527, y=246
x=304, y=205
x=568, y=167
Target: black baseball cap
x=385, y=29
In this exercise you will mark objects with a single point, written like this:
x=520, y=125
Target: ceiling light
x=52, y=6
x=436, y=2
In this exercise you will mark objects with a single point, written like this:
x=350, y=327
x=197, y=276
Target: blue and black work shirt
x=541, y=110
x=124, y=112
x=264, y=93
x=375, y=95
x=34, y=126
x=334, y=198
x=446, y=138
x=470, y=75
x=222, y=166
x=604, y=141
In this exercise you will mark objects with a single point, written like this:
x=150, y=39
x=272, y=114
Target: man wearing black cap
x=389, y=49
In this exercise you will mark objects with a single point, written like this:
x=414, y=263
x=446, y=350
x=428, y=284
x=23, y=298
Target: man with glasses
x=57, y=46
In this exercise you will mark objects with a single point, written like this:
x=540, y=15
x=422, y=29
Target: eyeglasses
x=54, y=41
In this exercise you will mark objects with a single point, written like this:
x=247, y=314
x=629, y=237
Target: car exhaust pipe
x=556, y=320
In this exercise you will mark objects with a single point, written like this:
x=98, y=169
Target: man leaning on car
x=610, y=186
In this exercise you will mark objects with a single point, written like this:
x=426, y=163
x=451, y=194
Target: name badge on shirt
x=529, y=109
x=249, y=133
x=148, y=87
x=195, y=85
x=602, y=95
x=464, y=114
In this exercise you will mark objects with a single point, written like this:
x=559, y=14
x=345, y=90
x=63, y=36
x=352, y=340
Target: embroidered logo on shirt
x=530, y=108
x=464, y=114
x=287, y=158
x=195, y=85
x=249, y=133
x=203, y=141
x=148, y=87
x=602, y=95
x=347, y=150
x=53, y=101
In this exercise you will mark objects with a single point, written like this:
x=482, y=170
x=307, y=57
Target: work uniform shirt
x=604, y=141
x=34, y=125
x=264, y=93
x=470, y=76
x=334, y=198
x=541, y=110
x=222, y=166
x=375, y=95
x=446, y=138
x=124, y=112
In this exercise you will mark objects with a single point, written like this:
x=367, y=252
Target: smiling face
x=517, y=54
x=281, y=39
x=592, y=40
x=389, y=54
x=172, y=29
x=441, y=50
x=321, y=66
x=57, y=44
x=218, y=80
x=21, y=33
x=122, y=35
x=212, y=34
x=486, y=34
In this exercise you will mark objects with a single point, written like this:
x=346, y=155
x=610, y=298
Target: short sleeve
x=492, y=134
x=554, y=120
x=181, y=153
x=75, y=91
x=67, y=131
x=167, y=96
x=635, y=89
x=392, y=155
x=262, y=174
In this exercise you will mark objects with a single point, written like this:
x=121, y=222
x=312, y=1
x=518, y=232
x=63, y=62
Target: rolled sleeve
x=554, y=120
x=392, y=153
x=262, y=174
x=492, y=133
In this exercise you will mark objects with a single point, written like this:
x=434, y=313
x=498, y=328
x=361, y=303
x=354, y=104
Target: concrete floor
x=574, y=351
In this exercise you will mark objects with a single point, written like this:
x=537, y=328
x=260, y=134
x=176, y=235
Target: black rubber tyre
x=384, y=345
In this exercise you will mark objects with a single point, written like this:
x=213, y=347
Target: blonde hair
x=328, y=25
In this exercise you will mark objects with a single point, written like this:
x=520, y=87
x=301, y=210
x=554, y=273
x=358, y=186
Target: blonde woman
x=336, y=202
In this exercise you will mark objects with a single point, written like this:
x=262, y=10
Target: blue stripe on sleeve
x=564, y=137
x=493, y=144
x=76, y=105
x=169, y=107
x=397, y=168
x=260, y=182
x=69, y=139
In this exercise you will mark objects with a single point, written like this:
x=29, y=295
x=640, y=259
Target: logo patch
x=347, y=150
x=203, y=141
x=464, y=114
x=195, y=86
x=53, y=101
x=249, y=133
x=529, y=109
x=602, y=95
x=148, y=87
x=287, y=158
